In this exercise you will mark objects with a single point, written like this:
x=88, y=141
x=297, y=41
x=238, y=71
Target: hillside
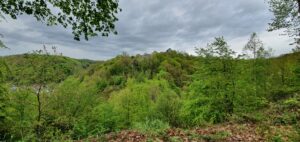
x=166, y=96
x=21, y=68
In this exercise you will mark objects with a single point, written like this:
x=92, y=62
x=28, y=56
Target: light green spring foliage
x=20, y=103
x=3, y=97
x=151, y=127
x=147, y=93
x=213, y=89
x=152, y=99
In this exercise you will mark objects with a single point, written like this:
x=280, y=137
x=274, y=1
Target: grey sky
x=145, y=26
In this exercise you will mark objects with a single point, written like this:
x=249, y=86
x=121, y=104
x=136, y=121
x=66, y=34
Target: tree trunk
x=298, y=6
x=38, y=128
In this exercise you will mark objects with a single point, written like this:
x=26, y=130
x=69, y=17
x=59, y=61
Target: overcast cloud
x=145, y=26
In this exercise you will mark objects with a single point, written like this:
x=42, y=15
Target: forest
x=164, y=96
x=215, y=95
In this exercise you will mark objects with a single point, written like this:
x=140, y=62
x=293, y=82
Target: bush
x=101, y=85
x=291, y=103
x=286, y=119
x=248, y=117
x=151, y=99
x=118, y=80
x=277, y=138
x=151, y=127
x=194, y=111
x=101, y=120
x=281, y=94
x=168, y=106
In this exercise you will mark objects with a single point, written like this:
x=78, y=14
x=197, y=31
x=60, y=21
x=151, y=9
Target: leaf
x=2, y=45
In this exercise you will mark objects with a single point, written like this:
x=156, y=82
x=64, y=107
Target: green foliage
x=285, y=13
x=286, y=16
x=292, y=103
x=3, y=101
x=214, y=89
x=151, y=127
x=297, y=72
x=2, y=45
x=150, y=93
x=167, y=107
x=69, y=103
x=215, y=137
x=20, y=104
x=107, y=118
x=132, y=104
x=57, y=68
x=277, y=138
x=87, y=18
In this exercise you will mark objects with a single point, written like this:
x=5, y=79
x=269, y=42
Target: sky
x=145, y=26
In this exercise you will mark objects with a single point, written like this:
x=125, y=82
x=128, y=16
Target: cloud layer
x=147, y=26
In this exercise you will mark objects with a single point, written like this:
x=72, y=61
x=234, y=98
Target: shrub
x=101, y=85
x=151, y=127
x=291, y=103
x=277, y=138
x=281, y=94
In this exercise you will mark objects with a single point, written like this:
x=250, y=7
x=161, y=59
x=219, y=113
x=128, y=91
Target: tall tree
x=286, y=16
x=87, y=17
x=218, y=79
x=46, y=72
x=255, y=50
x=254, y=45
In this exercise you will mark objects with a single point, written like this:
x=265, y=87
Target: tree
x=3, y=66
x=133, y=104
x=297, y=71
x=286, y=16
x=258, y=62
x=3, y=94
x=296, y=49
x=45, y=72
x=87, y=18
x=2, y=45
x=254, y=45
x=21, y=113
x=67, y=108
x=217, y=83
x=168, y=106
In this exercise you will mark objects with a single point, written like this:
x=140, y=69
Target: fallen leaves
x=216, y=133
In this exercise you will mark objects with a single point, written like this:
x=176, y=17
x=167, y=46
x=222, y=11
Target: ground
x=218, y=133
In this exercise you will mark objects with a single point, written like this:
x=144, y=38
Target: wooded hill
x=47, y=97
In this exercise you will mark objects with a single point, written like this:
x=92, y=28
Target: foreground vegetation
x=167, y=96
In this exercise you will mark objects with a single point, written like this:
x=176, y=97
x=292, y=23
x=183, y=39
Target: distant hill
x=21, y=67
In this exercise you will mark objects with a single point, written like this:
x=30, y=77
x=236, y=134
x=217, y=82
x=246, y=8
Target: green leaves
x=218, y=48
x=285, y=13
x=86, y=18
x=286, y=16
x=148, y=93
x=2, y=45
